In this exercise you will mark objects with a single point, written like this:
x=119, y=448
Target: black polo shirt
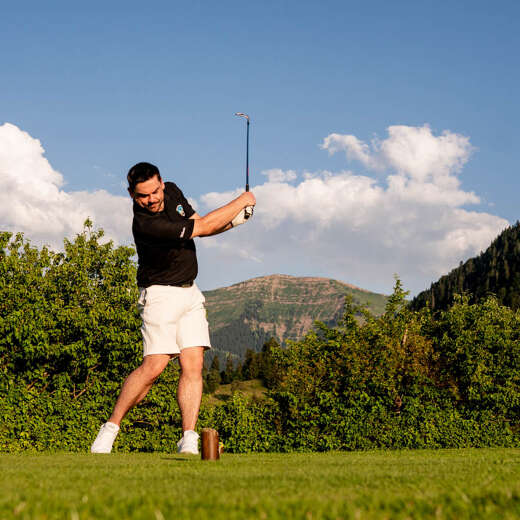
x=165, y=251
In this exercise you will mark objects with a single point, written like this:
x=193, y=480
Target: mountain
x=495, y=271
x=245, y=315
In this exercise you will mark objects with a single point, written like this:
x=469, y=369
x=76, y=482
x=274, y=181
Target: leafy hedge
x=69, y=335
x=404, y=380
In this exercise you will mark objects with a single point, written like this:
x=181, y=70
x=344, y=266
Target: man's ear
x=131, y=193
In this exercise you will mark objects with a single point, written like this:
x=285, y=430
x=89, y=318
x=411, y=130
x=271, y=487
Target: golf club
x=240, y=114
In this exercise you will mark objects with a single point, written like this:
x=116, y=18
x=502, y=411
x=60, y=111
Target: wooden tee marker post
x=210, y=444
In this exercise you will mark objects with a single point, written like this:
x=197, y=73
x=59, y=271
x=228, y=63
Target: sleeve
x=188, y=210
x=163, y=229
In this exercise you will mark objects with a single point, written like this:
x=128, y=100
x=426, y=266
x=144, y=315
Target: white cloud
x=362, y=230
x=353, y=148
x=424, y=166
x=33, y=201
x=412, y=151
x=416, y=152
x=277, y=175
x=408, y=219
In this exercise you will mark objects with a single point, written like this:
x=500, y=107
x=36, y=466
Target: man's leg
x=134, y=389
x=189, y=392
x=137, y=384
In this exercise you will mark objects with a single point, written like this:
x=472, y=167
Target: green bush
x=69, y=335
x=479, y=352
x=403, y=380
x=245, y=425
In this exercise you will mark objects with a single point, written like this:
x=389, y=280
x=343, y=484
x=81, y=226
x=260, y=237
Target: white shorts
x=174, y=318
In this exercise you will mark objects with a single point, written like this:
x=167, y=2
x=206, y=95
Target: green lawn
x=407, y=484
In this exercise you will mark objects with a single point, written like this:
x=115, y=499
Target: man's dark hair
x=141, y=172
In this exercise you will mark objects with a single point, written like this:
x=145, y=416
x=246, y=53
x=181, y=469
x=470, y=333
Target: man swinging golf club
x=171, y=305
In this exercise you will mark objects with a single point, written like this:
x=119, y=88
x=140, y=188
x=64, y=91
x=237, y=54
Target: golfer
x=170, y=304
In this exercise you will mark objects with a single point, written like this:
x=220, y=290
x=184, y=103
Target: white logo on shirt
x=180, y=210
x=182, y=232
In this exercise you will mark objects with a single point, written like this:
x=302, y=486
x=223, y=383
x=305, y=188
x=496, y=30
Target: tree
x=228, y=374
x=213, y=378
x=68, y=319
x=268, y=367
x=250, y=367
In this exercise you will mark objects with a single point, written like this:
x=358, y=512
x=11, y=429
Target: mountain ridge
x=289, y=276
x=494, y=271
x=246, y=314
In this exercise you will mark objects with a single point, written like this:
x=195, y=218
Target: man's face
x=149, y=194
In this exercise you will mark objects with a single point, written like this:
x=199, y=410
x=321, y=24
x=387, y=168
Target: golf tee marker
x=210, y=444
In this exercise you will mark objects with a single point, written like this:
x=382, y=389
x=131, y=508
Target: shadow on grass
x=180, y=459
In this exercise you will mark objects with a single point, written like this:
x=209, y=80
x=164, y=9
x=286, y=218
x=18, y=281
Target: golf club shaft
x=246, y=117
x=247, y=157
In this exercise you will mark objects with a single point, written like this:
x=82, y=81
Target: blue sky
x=102, y=87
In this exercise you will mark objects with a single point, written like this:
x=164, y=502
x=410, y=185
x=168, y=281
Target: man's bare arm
x=219, y=220
x=196, y=216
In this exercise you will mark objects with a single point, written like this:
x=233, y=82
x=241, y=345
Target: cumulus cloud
x=33, y=200
x=353, y=148
x=409, y=150
x=424, y=166
x=411, y=217
x=277, y=175
x=363, y=229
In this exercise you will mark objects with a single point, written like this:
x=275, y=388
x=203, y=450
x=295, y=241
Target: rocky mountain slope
x=247, y=314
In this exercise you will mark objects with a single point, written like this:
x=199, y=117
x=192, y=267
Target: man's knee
x=153, y=366
x=191, y=361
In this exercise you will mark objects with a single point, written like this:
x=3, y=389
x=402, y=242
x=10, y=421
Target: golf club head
x=241, y=114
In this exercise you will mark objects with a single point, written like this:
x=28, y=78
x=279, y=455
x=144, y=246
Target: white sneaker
x=105, y=438
x=189, y=443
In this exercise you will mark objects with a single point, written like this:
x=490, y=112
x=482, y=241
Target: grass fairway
x=457, y=484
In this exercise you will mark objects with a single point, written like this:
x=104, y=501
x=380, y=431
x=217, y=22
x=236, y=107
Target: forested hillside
x=245, y=315
x=495, y=271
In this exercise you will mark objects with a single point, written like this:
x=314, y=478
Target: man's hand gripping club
x=236, y=212
x=243, y=216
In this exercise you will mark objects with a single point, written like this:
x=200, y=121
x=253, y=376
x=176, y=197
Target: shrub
x=69, y=335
